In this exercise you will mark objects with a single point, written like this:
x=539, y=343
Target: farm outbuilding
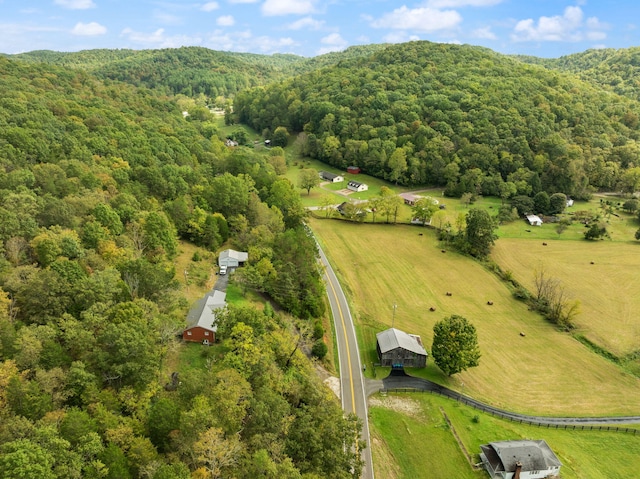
x=201, y=327
x=354, y=170
x=357, y=186
x=232, y=258
x=399, y=349
x=331, y=177
x=534, y=220
x=522, y=459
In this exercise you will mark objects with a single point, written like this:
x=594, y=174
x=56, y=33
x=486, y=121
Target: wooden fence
x=510, y=416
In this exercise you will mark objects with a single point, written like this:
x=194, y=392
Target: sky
x=543, y=28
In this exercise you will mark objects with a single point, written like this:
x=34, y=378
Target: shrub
x=318, y=330
x=319, y=349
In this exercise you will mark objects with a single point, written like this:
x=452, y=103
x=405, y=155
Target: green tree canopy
x=455, y=345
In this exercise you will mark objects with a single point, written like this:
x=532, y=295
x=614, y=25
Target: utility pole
x=393, y=320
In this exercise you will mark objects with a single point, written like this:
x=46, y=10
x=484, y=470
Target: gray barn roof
x=534, y=455
x=203, y=313
x=240, y=256
x=394, y=338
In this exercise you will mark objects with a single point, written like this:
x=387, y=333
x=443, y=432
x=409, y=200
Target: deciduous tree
x=455, y=345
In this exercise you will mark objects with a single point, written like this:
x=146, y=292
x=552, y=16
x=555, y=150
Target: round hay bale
x=432, y=309
x=522, y=334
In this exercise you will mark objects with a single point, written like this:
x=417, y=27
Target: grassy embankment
x=411, y=439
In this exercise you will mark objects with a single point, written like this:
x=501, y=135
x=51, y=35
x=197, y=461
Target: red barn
x=201, y=318
x=354, y=170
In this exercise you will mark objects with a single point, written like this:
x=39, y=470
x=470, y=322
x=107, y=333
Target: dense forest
x=465, y=118
x=613, y=69
x=191, y=71
x=98, y=181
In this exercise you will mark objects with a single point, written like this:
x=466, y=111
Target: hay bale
x=544, y=244
x=522, y=334
x=449, y=293
x=490, y=303
x=432, y=309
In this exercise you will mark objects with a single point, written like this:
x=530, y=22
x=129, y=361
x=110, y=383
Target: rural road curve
x=354, y=398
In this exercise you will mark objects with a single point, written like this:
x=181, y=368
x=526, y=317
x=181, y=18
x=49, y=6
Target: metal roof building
x=530, y=459
x=399, y=349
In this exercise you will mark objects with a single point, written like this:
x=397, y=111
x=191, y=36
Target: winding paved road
x=354, y=398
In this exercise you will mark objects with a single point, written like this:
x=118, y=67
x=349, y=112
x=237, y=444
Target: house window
x=188, y=333
x=206, y=333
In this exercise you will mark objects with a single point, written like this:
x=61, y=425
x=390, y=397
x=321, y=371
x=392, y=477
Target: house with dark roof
x=232, y=258
x=331, y=177
x=399, y=349
x=357, y=186
x=522, y=459
x=201, y=327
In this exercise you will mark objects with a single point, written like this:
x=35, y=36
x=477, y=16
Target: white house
x=332, y=177
x=357, y=186
x=232, y=258
x=534, y=220
x=523, y=459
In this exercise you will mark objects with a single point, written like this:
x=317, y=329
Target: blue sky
x=545, y=28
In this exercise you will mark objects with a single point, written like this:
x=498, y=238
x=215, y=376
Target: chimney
x=516, y=473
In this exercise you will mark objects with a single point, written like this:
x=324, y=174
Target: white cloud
x=210, y=6
x=484, y=33
x=462, y=3
x=399, y=37
x=332, y=43
x=307, y=23
x=89, y=29
x=418, y=19
x=287, y=7
x=242, y=1
x=244, y=41
x=75, y=4
x=225, y=21
x=159, y=39
x=568, y=27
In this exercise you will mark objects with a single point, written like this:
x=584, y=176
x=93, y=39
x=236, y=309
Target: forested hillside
x=97, y=183
x=462, y=117
x=187, y=70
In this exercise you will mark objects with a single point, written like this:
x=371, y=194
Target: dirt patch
x=333, y=383
x=399, y=404
x=345, y=192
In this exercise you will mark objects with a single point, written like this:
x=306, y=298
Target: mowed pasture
x=546, y=372
x=608, y=289
x=410, y=439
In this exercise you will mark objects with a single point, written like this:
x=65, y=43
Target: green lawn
x=546, y=371
x=410, y=434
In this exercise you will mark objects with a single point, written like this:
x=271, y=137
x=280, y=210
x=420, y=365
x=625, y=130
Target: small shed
x=569, y=202
x=201, y=327
x=399, y=349
x=354, y=170
x=232, y=258
x=331, y=177
x=534, y=220
x=522, y=459
x=357, y=186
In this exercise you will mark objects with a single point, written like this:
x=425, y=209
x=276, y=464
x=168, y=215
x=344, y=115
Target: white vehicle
x=223, y=270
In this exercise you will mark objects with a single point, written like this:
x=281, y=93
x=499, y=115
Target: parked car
x=223, y=269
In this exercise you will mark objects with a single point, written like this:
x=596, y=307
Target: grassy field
x=546, y=372
x=411, y=439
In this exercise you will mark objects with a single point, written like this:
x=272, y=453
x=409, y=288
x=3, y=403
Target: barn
x=399, y=349
x=521, y=459
x=200, y=320
x=331, y=177
x=357, y=186
x=534, y=220
x=232, y=258
x=354, y=170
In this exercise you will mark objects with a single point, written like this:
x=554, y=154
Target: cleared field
x=412, y=438
x=608, y=290
x=545, y=372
